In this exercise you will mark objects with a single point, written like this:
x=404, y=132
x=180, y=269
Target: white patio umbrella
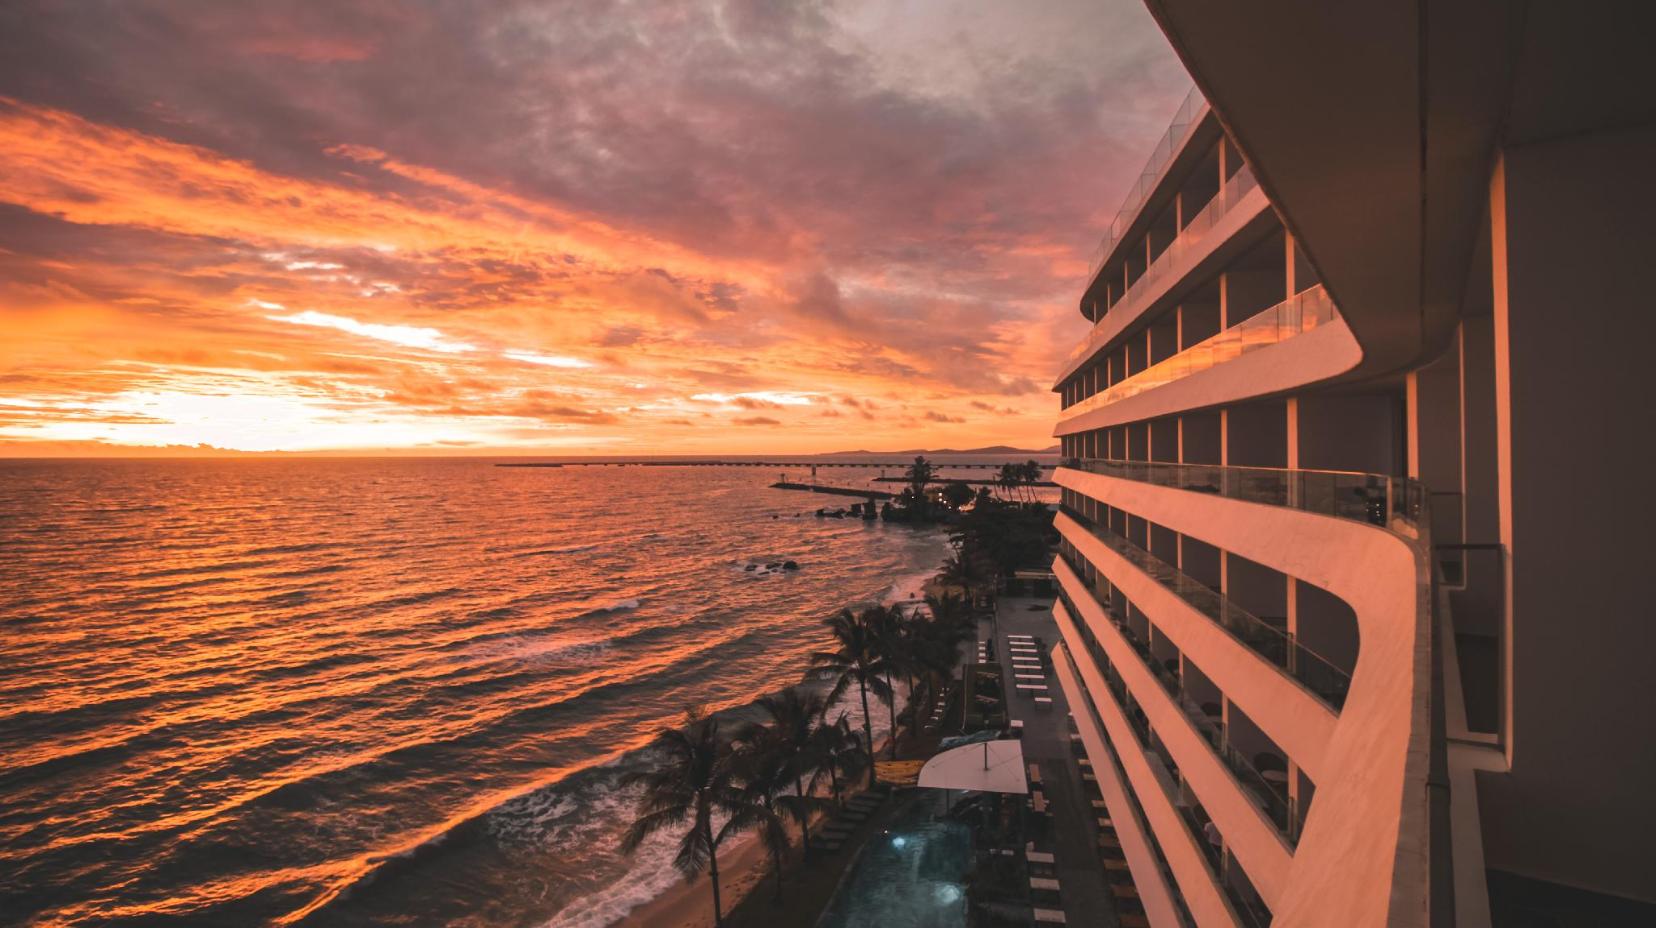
x=989, y=767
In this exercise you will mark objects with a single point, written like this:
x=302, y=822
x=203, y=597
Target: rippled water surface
x=379, y=692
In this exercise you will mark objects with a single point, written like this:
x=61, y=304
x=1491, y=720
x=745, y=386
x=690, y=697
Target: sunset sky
x=567, y=227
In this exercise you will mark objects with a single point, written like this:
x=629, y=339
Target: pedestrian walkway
x=1027, y=633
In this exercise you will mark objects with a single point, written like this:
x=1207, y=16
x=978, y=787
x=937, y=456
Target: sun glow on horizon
x=596, y=264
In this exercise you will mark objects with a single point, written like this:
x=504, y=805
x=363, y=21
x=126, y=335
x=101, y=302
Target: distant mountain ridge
x=991, y=449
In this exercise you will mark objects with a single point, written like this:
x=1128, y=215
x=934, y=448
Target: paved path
x=1074, y=839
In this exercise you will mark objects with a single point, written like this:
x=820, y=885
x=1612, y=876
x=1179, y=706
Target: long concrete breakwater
x=940, y=465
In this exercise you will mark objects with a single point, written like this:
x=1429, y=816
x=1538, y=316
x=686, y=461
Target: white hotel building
x=1356, y=512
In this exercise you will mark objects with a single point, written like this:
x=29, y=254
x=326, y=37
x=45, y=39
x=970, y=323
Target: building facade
x=1347, y=618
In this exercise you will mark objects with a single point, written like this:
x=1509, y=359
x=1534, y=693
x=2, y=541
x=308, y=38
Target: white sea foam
x=533, y=649
x=620, y=605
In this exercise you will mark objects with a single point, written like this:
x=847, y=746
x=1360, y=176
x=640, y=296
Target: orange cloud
x=546, y=257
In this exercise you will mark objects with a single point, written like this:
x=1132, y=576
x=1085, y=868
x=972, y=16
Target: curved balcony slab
x=1289, y=714
x=1248, y=832
x=1323, y=353
x=1362, y=857
x=1232, y=234
x=1154, y=893
x=1197, y=884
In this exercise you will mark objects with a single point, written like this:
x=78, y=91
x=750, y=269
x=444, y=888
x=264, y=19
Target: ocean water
x=388, y=692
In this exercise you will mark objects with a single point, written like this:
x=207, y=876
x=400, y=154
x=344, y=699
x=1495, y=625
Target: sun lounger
x=1048, y=916
x=1039, y=857
x=1043, y=883
x=1038, y=687
x=1044, y=702
x=1030, y=676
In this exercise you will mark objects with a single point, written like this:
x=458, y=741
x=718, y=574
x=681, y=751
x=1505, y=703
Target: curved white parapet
x=1289, y=714
x=1248, y=832
x=1361, y=858
x=1201, y=891
x=1324, y=352
x=1154, y=893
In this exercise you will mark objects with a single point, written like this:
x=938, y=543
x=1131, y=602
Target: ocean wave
x=620, y=605
x=569, y=549
x=295, y=548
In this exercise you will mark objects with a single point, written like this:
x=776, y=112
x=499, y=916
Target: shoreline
x=690, y=905
x=745, y=865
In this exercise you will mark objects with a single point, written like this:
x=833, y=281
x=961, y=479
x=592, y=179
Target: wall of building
x=1572, y=334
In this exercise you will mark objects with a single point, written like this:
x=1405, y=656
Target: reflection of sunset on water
x=264, y=680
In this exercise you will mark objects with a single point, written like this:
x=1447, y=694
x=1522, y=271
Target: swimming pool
x=912, y=876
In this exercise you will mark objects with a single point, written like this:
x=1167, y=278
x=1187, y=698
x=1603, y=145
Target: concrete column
x=1291, y=407
x=1288, y=262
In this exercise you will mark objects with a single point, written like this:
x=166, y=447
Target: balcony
x=1363, y=539
x=1222, y=230
x=1189, y=114
x=1397, y=504
x=1301, y=313
x=1240, y=185
x=1275, y=644
x=1152, y=871
x=1272, y=797
x=1247, y=908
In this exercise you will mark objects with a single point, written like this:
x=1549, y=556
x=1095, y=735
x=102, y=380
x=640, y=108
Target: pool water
x=913, y=876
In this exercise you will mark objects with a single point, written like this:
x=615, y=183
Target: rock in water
x=790, y=565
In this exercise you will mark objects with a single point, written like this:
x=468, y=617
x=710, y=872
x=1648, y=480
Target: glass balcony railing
x=1137, y=809
x=1270, y=796
x=1246, y=904
x=1394, y=503
x=1240, y=185
x=1274, y=643
x=1190, y=111
x=1303, y=312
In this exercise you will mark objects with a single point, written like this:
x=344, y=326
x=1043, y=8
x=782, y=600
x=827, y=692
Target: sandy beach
x=691, y=904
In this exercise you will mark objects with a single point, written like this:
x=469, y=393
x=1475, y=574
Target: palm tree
x=919, y=475
x=935, y=647
x=839, y=752
x=855, y=660
x=760, y=765
x=1030, y=471
x=692, y=782
x=891, y=643
x=793, y=733
x=1007, y=479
